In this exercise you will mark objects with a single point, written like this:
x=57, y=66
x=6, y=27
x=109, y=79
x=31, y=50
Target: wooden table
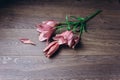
x=97, y=58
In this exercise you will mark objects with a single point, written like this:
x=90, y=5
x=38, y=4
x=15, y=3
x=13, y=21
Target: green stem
x=83, y=23
x=92, y=15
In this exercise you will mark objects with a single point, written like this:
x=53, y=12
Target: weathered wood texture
x=97, y=58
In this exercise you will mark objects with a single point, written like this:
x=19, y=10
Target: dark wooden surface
x=97, y=58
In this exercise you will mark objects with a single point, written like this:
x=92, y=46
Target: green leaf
x=75, y=27
x=81, y=19
x=68, y=24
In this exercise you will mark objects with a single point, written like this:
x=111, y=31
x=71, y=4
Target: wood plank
x=92, y=43
x=11, y=45
x=97, y=57
x=63, y=67
x=15, y=17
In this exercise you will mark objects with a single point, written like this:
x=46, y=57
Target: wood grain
x=96, y=58
x=93, y=43
x=63, y=67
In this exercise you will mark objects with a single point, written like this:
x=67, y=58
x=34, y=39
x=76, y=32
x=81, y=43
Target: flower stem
x=92, y=15
x=81, y=22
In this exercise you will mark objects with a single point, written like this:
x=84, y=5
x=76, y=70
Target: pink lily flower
x=46, y=29
x=51, y=48
x=67, y=38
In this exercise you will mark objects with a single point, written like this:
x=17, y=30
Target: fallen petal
x=27, y=41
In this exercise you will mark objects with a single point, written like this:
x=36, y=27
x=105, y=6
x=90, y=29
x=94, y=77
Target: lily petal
x=42, y=37
x=46, y=29
x=27, y=41
x=52, y=50
x=51, y=23
x=77, y=39
x=67, y=38
x=51, y=44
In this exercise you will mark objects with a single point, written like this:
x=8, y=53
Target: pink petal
x=71, y=43
x=49, y=33
x=42, y=37
x=57, y=37
x=68, y=35
x=52, y=50
x=48, y=47
x=51, y=23
x=45, y=35
x=39, y=28
x=27, y=41
x=46, y=29
x=77, y=39
x=62, y=41
x=43, y=27
x=44, y=22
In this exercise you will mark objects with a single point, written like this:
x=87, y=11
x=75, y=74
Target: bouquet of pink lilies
x=46, y=30
x=69, y=34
